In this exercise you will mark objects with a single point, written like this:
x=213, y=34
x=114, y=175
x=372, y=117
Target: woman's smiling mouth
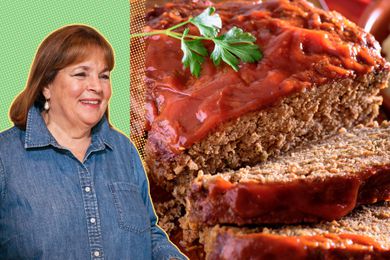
x=90, y=101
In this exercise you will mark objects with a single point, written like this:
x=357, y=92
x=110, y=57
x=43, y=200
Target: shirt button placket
x=96, y=253
x=91, y=209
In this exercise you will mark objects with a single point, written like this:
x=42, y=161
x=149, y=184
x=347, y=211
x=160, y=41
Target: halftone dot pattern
x=24, y=24
x=137, y=75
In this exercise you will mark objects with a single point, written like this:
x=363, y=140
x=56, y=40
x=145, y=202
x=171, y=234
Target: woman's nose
x=94, y=84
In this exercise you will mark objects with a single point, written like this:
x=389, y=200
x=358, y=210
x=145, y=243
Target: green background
x=24, y=24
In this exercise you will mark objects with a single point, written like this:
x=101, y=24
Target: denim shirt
x=52, y=206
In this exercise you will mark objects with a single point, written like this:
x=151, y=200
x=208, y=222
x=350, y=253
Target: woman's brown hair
x=63, y=47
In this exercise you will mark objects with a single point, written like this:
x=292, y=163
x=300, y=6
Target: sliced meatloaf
x=365, y=234
x=321, y=181
x=319, y=73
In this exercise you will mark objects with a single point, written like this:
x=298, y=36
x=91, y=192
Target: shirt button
x=92, y=220
x=87, y=189
x=96, y=253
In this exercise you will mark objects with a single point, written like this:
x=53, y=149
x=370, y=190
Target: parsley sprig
x=230, y=47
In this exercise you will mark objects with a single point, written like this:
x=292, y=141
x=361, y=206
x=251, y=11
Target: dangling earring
x=46, y=106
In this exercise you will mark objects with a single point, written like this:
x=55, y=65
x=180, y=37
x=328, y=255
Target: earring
x=46, y=106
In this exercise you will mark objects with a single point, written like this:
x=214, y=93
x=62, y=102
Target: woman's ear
x=46, y=92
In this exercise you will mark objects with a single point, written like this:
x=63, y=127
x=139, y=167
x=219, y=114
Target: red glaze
x=301, y=48
x=296, y=201
x=268, y=246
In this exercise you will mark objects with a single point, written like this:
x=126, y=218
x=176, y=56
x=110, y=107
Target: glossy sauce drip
x=300, y=48
x=296, y=200
x=270, y=246
x=221, y=201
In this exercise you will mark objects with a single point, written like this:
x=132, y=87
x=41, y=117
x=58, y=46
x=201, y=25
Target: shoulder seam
x=7, y=132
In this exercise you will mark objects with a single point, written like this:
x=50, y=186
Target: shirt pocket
x=131, y=211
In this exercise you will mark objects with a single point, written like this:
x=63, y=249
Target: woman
x=71, y=187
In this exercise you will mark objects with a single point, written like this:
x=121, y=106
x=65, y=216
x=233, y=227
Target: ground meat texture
x=315, y=86
x=320, y=73
x=364, y=234
x=318, y=181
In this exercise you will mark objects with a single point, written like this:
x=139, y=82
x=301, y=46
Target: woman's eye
x=104, y=76
x=80, y=74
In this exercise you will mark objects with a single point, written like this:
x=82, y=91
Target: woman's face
x=80, y=93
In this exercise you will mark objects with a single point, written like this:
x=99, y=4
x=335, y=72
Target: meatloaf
x=319, y=73
x=365, y=234
x=322, y=181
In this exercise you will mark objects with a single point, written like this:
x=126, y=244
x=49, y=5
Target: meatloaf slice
x=322, y=181
x=364, y=234
x=319, y=73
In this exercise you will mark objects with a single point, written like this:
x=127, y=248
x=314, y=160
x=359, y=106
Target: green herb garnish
x=230, y=47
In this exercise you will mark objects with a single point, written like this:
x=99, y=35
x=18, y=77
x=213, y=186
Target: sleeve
x=162, y=247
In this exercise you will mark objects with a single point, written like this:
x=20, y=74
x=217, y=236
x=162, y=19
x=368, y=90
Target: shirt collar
x=37, y=134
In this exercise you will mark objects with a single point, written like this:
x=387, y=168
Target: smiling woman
x=76, y=100
x=65, y=47
x=71, y=185
x=71, y=73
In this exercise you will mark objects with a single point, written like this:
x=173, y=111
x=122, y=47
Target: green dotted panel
x=24, y=24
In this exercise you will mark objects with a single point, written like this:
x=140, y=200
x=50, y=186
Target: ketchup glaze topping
x=302, y=47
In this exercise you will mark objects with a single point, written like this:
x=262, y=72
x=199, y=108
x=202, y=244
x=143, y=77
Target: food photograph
x=263, y=125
